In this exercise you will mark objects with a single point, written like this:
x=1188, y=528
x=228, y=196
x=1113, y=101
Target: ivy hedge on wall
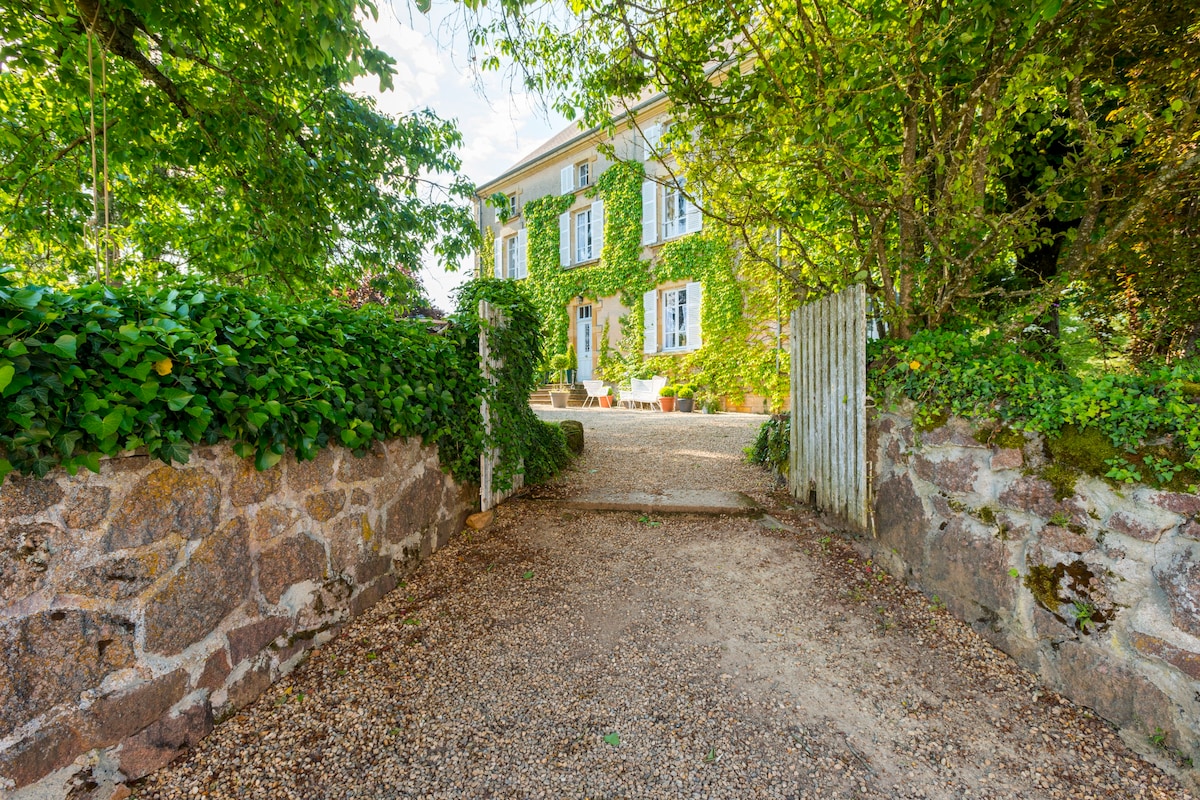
x=526, y=444
x=1125, y=427
x=735, y=357
x=100, y=370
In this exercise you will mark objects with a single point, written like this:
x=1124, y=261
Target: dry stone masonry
x=1096, y=590
x=140, y=604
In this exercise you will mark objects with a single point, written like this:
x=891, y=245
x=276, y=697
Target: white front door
x=583, y=346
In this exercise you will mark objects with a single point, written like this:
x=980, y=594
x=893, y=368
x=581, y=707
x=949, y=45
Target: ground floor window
x=675, y=319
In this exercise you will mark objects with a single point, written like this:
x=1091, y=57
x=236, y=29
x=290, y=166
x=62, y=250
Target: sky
x=499, y=124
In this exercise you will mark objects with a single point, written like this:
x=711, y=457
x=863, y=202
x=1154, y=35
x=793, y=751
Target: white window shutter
x=564, y=239
x=597, y=228
x=567, y=179
x=649, y=212
x=653, y=134
x=499, y=257
x=693, y=316
x=650, y=309
x=522, y=254
x=694, y=218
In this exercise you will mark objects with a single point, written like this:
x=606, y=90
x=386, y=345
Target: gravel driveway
x=604, y=655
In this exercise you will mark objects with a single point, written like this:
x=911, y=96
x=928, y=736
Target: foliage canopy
x=145, y=138
x=963, y=159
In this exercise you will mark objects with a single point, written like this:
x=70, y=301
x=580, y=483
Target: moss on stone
x=1190, y=389
x=1062, y=478
x=998, y=435
x=928, y=419
x=1042, y=583
x=1085, y=449
x=987, y=515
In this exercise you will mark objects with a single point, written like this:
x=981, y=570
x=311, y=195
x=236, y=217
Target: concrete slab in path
x=669, y=501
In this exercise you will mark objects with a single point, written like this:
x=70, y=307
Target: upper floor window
x=510, y=208
x=675, y=211
x=510, y=256
x=581, y=235
x=678, y=214
x=583, y=174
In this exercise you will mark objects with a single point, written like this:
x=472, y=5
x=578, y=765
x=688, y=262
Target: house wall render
x=1104, y=604
x=139, y=604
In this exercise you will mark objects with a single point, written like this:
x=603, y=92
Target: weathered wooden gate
x=489, y=318
x=828, y=458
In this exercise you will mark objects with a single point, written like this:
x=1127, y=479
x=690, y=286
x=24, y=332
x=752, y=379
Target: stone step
x=668, y=501
x=541, y=397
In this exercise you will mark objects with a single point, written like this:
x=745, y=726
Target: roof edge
x=521, y=166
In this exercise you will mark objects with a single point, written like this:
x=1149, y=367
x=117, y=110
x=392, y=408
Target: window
x=510, y=208
x=675, y=314
x=510, y=256
x=679, y=215
x=675, y=210
x=583, y=173
x=583, y=236
x=675, y=319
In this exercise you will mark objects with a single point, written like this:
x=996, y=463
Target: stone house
x=602, y=273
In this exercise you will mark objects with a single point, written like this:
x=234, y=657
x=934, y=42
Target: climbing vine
x=525, y=443
x=738, y=354
x=546, y=286
x=487, y=257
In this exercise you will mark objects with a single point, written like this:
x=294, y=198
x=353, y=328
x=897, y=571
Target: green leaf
x=28, y=298
x=64, y=346
x=5, y=468
x=147, y=391
x=613, y=738
x=176, y=398
x=266, y=459
x=110, y=424
x=6, y=376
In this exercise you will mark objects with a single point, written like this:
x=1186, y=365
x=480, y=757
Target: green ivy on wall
x=735, y=356
x=546, y=284
x=738, y=352
x=487, y=258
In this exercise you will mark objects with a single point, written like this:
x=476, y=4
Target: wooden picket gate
x=490, y=317
x=828, y=458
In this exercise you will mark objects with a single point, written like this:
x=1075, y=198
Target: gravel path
x=612, y=655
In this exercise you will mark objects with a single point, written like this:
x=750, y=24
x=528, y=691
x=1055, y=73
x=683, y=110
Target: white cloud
x=433, y=70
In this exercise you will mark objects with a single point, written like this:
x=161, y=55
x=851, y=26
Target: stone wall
x=139, y=604
x=1105, y=599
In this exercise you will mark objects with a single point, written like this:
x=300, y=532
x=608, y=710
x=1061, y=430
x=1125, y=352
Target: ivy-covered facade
x=627, y=273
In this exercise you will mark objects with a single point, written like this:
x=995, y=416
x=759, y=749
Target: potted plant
x=685, y=399
x=559, y=393
x=572, y=365
x=606, y=399
x=666, y=397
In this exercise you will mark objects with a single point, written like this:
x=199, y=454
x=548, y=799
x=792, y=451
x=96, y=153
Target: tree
x=958, y=157
x=142, y=137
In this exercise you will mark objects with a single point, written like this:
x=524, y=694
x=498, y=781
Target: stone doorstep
x=671, y=501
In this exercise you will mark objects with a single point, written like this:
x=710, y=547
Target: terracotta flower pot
x=606, y=401
x=667, y=403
